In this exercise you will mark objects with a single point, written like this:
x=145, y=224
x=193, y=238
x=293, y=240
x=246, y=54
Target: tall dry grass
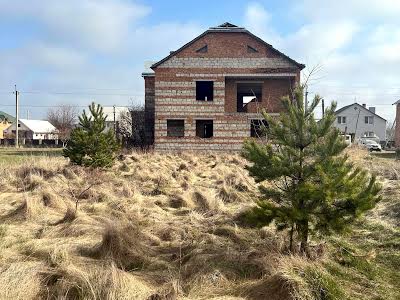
x=153, y=227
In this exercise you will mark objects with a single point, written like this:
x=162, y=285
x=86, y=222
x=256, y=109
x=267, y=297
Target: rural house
x=35, y=130
x=208, y=94
x=361, y=122
x=5, y=121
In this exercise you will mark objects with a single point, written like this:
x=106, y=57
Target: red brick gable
x=231, y=43
x=226, y=44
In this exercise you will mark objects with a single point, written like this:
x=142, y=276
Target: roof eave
x=148, y=74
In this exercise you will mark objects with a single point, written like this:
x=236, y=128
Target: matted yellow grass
x=152, y=227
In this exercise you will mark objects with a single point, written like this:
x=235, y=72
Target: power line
x=44, y=106
x=80, y=94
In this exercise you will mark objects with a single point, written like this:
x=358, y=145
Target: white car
x=372, y=145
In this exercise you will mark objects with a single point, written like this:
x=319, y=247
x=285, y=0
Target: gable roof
x=38, y=125
x=347, y=106
x=227, y=27
x=6, y=116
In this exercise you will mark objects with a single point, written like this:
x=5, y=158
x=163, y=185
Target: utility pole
x=16, y=117
x=323, y=107
x=355, y=131
x=115, y=127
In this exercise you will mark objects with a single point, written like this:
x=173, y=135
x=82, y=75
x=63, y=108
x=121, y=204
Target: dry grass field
x=169, y=227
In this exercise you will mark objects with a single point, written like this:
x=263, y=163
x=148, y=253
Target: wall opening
x=176, y=128
x=204, y=128
x=248, y=92
x=203, y=49
x=205, y=90
x=258, y=128
x=250, y=49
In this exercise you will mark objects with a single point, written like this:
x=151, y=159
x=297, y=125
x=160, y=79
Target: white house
x=358, y=121
x=110, y=112
x=33, y=130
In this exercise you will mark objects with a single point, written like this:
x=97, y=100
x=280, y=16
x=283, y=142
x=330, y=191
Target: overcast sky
x=77, y=51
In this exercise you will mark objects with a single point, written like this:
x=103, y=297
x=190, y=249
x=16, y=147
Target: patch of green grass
x=15, y=156
x=311, y=280
x=366, y=261
x=385, y=154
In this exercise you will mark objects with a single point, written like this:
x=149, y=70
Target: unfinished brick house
x=208, y=94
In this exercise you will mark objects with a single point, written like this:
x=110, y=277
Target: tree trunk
x=304, y=238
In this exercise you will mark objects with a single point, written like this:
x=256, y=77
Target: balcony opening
x=176, y=128
x=204, y=129
x=247, y=93
x=205, y=90
x=258, y=128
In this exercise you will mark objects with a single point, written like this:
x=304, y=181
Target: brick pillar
x=397, y=129
x=149, y=109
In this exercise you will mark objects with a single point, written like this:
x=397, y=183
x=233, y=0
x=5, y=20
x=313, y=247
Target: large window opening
x=176, y=128
x=248, y=93
x=258, y=128
x=205, y=90
x=204, y=128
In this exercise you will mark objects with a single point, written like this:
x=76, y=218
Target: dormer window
x=250, y=49
x=203, y=49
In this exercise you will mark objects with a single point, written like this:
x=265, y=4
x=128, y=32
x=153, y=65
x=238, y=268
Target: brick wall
x=226, y=62
x=149, y=108
x=397, y=130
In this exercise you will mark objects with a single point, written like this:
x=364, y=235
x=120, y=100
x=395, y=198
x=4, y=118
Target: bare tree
x=131, y=126
x=63, y=118
x=390, y=133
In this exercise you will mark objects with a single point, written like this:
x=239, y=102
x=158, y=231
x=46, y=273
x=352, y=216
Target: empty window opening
x=369, y=120
x=176, y=128
x=204, y=128
x=341, y=120
x=248, y=93
x=250, y=49
x=203, y=49
x=258, y=128
x=205, y=90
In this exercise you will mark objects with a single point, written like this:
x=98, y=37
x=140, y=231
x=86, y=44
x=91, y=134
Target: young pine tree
x=313, y=188
x=90, y=144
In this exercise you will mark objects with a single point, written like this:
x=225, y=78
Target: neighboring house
x=358, y=121
x=208, y=94
x=5, y=121
x=110, y=112
x=32, y=130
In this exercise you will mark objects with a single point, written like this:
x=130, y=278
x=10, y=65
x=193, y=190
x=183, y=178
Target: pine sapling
x=91, y=144
x=313, y=188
